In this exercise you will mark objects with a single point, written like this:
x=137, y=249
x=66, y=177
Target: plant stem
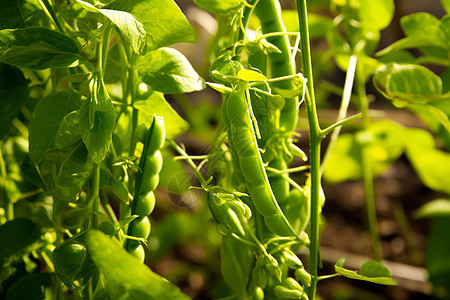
x=366, y=163
x=347, y=93
x=94, y=195
x=48, y=8
x=315, y=140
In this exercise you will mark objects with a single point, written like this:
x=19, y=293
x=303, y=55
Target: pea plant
x=87, y=129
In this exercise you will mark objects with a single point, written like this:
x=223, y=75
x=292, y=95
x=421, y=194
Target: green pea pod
x=234, y=221
x=259, y=275
x=225, y=215
x=286, y=293
x=292, y=284
x=145, y=205
x=242, y=139
x=156, y=136
x=140, y=227
x=138, y=251
x=273, y=268
x=73, y=263
x=303, y=276
x=147, y=180
x=292, y=260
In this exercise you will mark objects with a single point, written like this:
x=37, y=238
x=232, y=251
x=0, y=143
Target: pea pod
x=286, y=293
x=242, y=140
x=147, y=180
x=303, y=276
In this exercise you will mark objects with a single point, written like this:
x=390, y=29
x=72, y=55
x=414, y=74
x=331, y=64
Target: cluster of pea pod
x=147, y=180
x=262, y=219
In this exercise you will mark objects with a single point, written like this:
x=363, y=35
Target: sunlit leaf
x=429, y=163
x=124, y=276
x=131, y=29
x=250, y=75
x=422, y=30
x=370, y=271
x=163, y=21
x=157, y=104
x=386, y=145
x=318, y=25
x=220, y=7
x=408, y=84
x=435, y=208
x=166, y=70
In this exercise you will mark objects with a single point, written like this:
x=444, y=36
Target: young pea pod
x=291, y=260
x=242, y=139
x=286, y=293
x=229, y=215
x=147, y=180
x=303, y=276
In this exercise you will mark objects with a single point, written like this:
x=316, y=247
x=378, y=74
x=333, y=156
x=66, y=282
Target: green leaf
x=435, y=208
x=69, y=131
x=220, y=7
x=124, y=276
x=163, y=21
x=17, y=238
x=72, y=176
x=370, y=14
x=438, y=248
x=131, y=29
x=446, y=4
x=250, y=75
x=376, y=14
x=319, y=26
x=31, y=287
x=166, y=70
x=408, y=84
x=374, y=269
x=386, y=145
x=235, y=257
x=38, y=48
x=96, y=118
x=429, y=162
x=157, y=104
x=371, y=271
x=13, y=93
x=47, y=118
x=421, y=29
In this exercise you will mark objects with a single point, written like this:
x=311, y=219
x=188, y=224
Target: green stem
x=132, y=90
x=280, y=63
x=366, y=163
x=339, y=124
x=346, y=95
x=94, y=195
x=315, y=141
x=48, y=8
